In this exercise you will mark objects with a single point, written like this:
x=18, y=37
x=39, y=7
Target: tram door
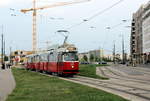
x=60, y=64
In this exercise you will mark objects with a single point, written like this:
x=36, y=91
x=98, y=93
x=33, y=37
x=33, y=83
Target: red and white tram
x=61, y=60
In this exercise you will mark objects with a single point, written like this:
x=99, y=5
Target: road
x=133, y=80
x=132, y=83
x=7, y=83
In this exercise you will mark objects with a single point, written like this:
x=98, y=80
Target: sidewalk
x=7, y=83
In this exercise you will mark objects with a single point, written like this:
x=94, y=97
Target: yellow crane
x=34, y=16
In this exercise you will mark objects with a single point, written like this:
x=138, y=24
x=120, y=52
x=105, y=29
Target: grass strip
x=31, y=86
x=89, y=70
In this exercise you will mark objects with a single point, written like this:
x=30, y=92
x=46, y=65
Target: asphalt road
x=133, y=82
x=7, y=83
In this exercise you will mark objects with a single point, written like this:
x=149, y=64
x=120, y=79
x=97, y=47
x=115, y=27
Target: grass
x=89, y=70
x=31, y=86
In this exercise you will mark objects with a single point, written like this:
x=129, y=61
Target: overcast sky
x=87, y=36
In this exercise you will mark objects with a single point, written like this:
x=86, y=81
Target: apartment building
x=96, y=54
x=136, y=40
x=146, y=33
x=140, y=35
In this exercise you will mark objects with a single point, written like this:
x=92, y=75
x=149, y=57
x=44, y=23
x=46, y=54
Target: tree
x=96, y=59
x=91, y=57
x=85, y=58
x=5, y=58
x=81, y=60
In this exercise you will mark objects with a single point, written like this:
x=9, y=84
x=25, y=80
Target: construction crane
x=34, y=17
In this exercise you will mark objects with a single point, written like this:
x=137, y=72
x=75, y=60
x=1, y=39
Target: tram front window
x=70, y=57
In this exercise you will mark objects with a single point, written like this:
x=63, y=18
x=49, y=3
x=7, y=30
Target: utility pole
x=2, y=50
x=2, y=56
x=100, y=50
x=123, y=60
x=114, y=53
x=10, y=55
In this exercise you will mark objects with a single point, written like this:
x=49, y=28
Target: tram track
x=121, y=85
x=139, y=69
x=122, y=77
x=127, y=89
x=147, y=71
x=131, y=77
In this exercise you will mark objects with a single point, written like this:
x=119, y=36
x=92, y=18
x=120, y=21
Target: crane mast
x=34, y=17
x=34, y=31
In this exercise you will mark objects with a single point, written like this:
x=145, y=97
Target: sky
x=90, y=35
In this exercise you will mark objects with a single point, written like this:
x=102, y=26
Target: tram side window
x=37, y=58
x=34, y=59
x=51, y=57
x=43, y=57
x=28, y=59
x=31, y=59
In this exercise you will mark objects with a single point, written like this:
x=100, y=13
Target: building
x=133, y=40
x=18, y=56
x=109, y=57
x=146, y=33
x=136, y=39
x=97, y=54
x=140, y=35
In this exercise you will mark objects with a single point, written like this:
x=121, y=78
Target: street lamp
x=2, y=49
x=123, y=51
x=114, y=47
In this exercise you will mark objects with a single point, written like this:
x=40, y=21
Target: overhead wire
x=97, y=14
x=115, y=26
x=119, y=24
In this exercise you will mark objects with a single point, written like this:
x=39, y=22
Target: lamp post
x=114, y=54
x=2, y=49
x=123, y=51
x=114, y=48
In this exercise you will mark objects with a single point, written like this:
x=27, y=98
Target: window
x=133, y=24
x=37, y=58
x=133, y=37
x=43, y=57
x=133, y=42
x=133, y=28
x=70, y=57
x=16, y=53
x=51, y=57
x=31, y=59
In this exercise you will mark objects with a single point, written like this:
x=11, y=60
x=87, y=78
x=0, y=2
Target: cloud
x=5, y=2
